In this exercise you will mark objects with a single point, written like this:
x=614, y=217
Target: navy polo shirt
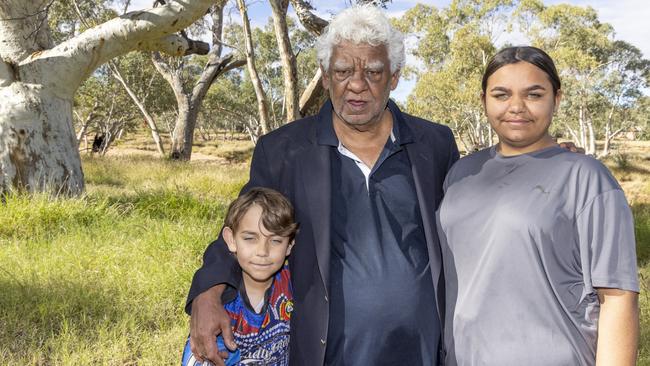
x=382, y=308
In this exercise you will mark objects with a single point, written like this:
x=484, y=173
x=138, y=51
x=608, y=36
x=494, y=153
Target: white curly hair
x=361, y=24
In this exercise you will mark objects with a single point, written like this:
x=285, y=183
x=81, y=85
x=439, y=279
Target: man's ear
x=229, y=237
x=483, y=102
x=325, y=79
x=290, y=246
x=394, y=79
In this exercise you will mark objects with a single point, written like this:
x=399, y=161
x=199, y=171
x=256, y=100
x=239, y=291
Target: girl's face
x=519, y=104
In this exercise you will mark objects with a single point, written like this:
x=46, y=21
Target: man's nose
x=358, y=82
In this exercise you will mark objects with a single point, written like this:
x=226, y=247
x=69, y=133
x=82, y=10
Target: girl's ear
x=558, y=98
x=229, y=237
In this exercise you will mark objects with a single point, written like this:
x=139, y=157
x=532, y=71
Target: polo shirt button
x=322, y=341
x=326, y=299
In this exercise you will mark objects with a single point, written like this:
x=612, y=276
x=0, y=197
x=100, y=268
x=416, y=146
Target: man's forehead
x=347, y=52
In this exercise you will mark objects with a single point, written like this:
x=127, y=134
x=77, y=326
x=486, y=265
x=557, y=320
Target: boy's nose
x=263, y=249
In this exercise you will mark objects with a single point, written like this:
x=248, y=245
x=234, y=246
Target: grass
x=633, y=172
x=103, y=279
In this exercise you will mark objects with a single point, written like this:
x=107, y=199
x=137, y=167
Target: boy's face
x=259, y=252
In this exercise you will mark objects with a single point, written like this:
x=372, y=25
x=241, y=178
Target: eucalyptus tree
x=38, y=80
x=454, y=45
x=288, y=58
x=603, y=78
x=190, y=88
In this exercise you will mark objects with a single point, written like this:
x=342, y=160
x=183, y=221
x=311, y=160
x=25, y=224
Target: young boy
x=259, y=230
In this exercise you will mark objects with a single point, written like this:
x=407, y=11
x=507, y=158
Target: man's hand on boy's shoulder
x=572, y=147
x=213, y=321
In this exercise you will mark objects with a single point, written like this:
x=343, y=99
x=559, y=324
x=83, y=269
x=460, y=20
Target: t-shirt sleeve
x=605, y=230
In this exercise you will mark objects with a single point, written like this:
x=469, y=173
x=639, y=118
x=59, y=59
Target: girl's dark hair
x=532, y=55
x=277, y=211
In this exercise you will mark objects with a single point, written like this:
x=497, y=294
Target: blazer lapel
x=315, y=170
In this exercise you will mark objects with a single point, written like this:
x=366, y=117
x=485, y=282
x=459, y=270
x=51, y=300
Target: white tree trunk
x=38, y=148
x=260, y=94
x=155, y=134
x=583, y=126
x=591, y=148
x=289, y=68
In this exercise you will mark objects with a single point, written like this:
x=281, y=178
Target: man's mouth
x=357, y=103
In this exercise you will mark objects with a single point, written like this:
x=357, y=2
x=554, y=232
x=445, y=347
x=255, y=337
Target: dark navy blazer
x=291, y=161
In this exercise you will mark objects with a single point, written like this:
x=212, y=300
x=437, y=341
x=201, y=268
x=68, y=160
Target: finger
x=228, y=340
x=213, y=354
x=197, y=351
x=223, y=354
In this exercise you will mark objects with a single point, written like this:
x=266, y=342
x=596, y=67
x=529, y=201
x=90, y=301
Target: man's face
x=359, y=82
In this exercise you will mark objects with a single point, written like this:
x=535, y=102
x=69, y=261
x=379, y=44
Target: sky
x=628, y=17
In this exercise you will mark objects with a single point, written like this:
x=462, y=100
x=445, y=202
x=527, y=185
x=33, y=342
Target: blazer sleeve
x=454, y=155
x=219, y=265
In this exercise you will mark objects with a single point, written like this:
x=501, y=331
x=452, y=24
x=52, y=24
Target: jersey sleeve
x=605, y=230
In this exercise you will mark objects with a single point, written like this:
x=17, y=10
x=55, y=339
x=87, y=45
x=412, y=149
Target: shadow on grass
x=36, y=315
x=168, y=204
x=631, y=168
x=238, y=156
x=642, y=231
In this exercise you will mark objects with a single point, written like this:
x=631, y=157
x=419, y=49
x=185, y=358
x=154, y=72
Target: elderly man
x=366, y=181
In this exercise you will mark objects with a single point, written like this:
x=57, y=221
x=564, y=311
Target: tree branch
x=309, y=20
x=73, y=61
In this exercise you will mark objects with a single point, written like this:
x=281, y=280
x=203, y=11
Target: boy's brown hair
x=277, y=211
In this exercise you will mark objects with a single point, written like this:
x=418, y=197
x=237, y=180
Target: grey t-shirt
x=525, y=242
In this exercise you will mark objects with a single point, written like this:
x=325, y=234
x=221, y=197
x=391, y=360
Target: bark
x=189, y=101
x=308, y=19
x=312, y=93
x=86, y=122
x=38, y=146
x=583, y=126
x=591, y=149
x=289, y=68
x=316, y=25
x=262, y=103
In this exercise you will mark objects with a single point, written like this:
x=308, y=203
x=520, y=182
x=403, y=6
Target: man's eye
x=342, y=73
x=501, y=96
x=534, y=95
x=249, y=238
